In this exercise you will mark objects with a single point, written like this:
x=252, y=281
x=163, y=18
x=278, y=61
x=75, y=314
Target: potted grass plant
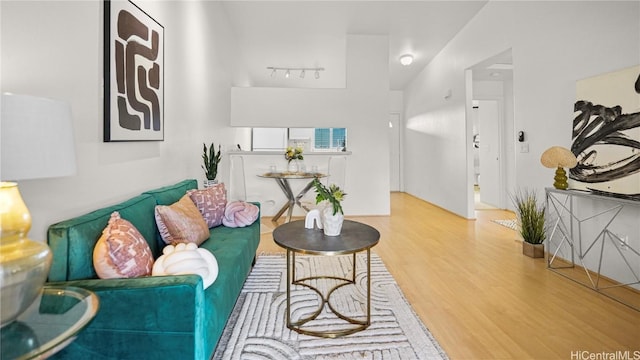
x=210, y=159
x=531, y=222
x=332, y=214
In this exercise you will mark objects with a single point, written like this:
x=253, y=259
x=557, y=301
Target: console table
x=282, y=178
x=608, y=262
x=49, y=324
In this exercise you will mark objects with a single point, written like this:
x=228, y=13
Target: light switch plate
x=524, y=147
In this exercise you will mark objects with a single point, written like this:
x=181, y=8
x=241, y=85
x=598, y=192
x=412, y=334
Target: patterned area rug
x=510, y=223
x=257, y=329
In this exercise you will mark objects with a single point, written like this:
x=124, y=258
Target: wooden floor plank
x=481, y=298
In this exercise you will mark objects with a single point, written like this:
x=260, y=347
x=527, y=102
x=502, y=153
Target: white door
x=394, y=151
x=489, y=130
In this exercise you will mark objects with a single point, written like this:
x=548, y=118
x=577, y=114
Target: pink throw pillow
x=181, y=222
x=211, y=203
x=240, y=214
x=121, y=251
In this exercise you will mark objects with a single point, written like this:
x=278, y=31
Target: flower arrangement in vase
x=332, y=215
x=293, y=155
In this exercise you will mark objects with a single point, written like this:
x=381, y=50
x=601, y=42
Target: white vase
x=332, y=224
x=293, y=166
x=207, y=183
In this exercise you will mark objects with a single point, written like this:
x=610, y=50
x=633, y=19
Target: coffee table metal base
x=297, y=326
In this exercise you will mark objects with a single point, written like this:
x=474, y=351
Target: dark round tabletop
x=353, y=238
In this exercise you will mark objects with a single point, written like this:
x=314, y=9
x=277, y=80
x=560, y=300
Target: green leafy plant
x=211, y=160
x=531, y=216
x=333, y=194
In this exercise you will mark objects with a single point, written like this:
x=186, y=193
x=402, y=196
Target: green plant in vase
x=210, y=159
x=531, y=222
x=332, y=215
x=332, y=194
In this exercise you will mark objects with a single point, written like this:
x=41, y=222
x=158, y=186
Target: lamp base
x=560, y=179
x=24, y=266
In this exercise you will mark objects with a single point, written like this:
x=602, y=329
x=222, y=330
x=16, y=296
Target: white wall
x=554, y=44
x=54, y=49
x=362, y=107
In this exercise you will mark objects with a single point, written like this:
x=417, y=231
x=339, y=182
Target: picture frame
x=606, y=134
x=133, y=74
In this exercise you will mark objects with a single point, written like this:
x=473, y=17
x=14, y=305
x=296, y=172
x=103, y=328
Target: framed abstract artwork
x=133, y=74
x=606, y=134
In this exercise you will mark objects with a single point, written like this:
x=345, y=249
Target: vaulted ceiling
x=309, y=34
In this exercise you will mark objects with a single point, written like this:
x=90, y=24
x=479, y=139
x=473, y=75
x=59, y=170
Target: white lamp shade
x=37, y=138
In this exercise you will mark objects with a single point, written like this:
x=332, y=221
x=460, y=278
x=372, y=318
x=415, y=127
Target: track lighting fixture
x=303, y=71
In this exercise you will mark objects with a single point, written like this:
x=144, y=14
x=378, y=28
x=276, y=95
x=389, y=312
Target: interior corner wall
x=53, y=49
x=554, y=44
x=362, y=107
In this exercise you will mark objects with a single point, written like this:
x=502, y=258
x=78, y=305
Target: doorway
x=487, y=154
x=394, y=152
x=492, y=123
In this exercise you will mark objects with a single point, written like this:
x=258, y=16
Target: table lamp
x=559, y=158
x=36, y=142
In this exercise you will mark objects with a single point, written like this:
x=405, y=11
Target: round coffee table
x=354, y=237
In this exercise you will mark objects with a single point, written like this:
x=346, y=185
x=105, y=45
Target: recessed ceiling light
x=495, y=74
x=406, y=59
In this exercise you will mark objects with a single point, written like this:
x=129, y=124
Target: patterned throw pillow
x=181, y=222
x=121, y=251
x=211, y=203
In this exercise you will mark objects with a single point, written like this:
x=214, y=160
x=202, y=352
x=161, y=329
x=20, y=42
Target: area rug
x=510, y=223
x=257, y=328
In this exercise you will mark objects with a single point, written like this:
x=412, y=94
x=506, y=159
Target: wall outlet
x=624, y=241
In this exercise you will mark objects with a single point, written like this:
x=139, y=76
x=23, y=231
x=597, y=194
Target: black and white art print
x=606, y=133
x=133, y=74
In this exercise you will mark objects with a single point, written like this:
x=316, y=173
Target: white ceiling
x=313, y=34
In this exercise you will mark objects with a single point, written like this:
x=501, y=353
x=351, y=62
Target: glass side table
x=52, y=322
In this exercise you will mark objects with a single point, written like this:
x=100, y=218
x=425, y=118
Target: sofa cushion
x=121, y=251
x=72, y=241
x=167, y=195
x=211, y=202
x=181, y=222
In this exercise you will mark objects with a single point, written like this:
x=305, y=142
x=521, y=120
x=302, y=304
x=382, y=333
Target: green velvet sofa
x=164, y=317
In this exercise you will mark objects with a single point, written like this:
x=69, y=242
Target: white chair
x=237, y=188
x=337, y=171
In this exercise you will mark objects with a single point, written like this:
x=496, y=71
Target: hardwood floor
x=481, y=298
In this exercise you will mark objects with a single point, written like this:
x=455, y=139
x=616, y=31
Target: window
x=330, y=138
x=311, y=139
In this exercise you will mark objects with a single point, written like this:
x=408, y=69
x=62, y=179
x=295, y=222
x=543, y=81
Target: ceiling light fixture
x=303, y=71
x=406, y=59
